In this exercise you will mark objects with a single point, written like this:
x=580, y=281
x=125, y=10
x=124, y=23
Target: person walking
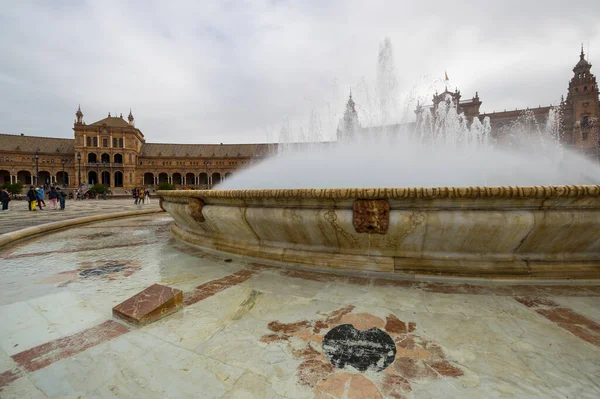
x=53, y=197
x=135, y=196
x=147, y=194
x=4, y=198
x=40, y=199
x=141, y=199
x=32, y=198
x=62, y=198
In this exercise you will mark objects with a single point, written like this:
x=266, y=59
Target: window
x=89, y=141
x=104, y=143
x=95, y=141
x=584, y=136
x=115, y=142
x=120, y=143
x=585, y=121
x=584, y=88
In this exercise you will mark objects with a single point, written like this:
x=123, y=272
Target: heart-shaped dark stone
x=371, y=349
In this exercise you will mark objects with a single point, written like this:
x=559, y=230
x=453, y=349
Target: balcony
x=96, y=165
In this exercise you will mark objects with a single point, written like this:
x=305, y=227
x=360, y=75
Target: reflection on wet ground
x=250, y=329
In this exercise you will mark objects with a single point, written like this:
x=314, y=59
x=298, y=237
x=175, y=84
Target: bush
x=99, y=189
x=15, y=188
x=166, y=186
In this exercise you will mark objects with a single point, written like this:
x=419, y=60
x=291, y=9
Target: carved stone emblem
x=371, y=216
x=195, y=209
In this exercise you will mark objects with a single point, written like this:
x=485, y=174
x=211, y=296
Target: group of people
x=141, y=195
x=36, y=196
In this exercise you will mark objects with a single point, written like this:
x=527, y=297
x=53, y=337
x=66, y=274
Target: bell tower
x=581, y=109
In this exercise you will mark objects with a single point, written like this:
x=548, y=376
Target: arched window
x=89, y=142
x=120, y=143
x=115, y=142
x=95, y=141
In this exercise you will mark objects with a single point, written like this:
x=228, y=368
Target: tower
x=349, y=124
x=130, y=119
x=79, y=115
x=581, y=109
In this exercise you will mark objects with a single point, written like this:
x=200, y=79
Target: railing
x=104, y=165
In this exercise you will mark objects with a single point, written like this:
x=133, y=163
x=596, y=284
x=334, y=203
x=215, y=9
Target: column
x=184, y=180
x=111, y=141
x=84, y=140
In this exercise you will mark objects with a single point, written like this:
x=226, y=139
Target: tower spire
x=79, y=115
x=130, y=117
x=582, y=55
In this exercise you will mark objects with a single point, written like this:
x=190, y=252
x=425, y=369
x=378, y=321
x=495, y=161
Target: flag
x=446, y=74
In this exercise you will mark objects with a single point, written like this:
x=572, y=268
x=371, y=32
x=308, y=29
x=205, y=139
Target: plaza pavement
x=19, y=217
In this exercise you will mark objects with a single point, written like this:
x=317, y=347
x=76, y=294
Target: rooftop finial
x=582, y=55
x=351, y=93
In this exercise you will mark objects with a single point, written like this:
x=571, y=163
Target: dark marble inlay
x=108, y=268
x=371, y=349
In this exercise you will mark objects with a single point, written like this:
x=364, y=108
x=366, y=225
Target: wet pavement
x=252, y=330
x=19, y=217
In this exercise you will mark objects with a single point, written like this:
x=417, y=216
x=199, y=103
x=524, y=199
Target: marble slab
x=151, y=304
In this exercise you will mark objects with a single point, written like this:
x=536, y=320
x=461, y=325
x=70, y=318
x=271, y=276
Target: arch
x=4, y=177
x=92, y=177
x=228, y=175
x=203, y=179
x=163, y=178
x=44, y=177
x=92, y=157
x=149, y=178
x=62, y=179
x=24, y=177
x=177, y=178
x=118, y=179
x=118, y=158
x=190, y=179
x=105, y=158
x=215, y=178
x=105, y=177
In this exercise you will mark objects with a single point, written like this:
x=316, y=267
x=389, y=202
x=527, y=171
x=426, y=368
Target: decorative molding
x=195, y=209
x=475, y=192
x=371, y=216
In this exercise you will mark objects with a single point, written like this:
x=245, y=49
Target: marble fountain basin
x=544, y=232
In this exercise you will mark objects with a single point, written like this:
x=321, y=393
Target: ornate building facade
x=113, y=150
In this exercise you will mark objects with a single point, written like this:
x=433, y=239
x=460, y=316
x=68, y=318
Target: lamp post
x=207, y=164
x=79, y=162
x=37, y=169
x=63, y=164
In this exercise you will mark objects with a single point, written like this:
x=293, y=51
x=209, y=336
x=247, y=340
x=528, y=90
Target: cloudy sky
x=236, y=71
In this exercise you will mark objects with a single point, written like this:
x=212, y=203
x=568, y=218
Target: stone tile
x=23, y=327
x=94, y=367
x=174, y=372
x=21, y=388
x=151, y=304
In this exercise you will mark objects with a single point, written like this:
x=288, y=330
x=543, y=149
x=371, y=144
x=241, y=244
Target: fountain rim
x=467, y=192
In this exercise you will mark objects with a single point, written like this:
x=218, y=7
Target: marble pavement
x=252, y=330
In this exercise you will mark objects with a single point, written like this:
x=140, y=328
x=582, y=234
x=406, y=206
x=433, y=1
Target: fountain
x=439, y=197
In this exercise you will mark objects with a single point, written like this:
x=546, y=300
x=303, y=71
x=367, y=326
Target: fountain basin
x=546, y=232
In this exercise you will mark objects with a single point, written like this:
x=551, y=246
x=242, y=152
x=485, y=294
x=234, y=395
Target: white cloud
x=214, y=71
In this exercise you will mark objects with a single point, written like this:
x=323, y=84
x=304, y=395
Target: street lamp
x=79, y=162
x=207, y=164
x=37, y=169
x=63, y=161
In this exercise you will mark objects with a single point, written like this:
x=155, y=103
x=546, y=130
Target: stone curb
x=13, y=236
